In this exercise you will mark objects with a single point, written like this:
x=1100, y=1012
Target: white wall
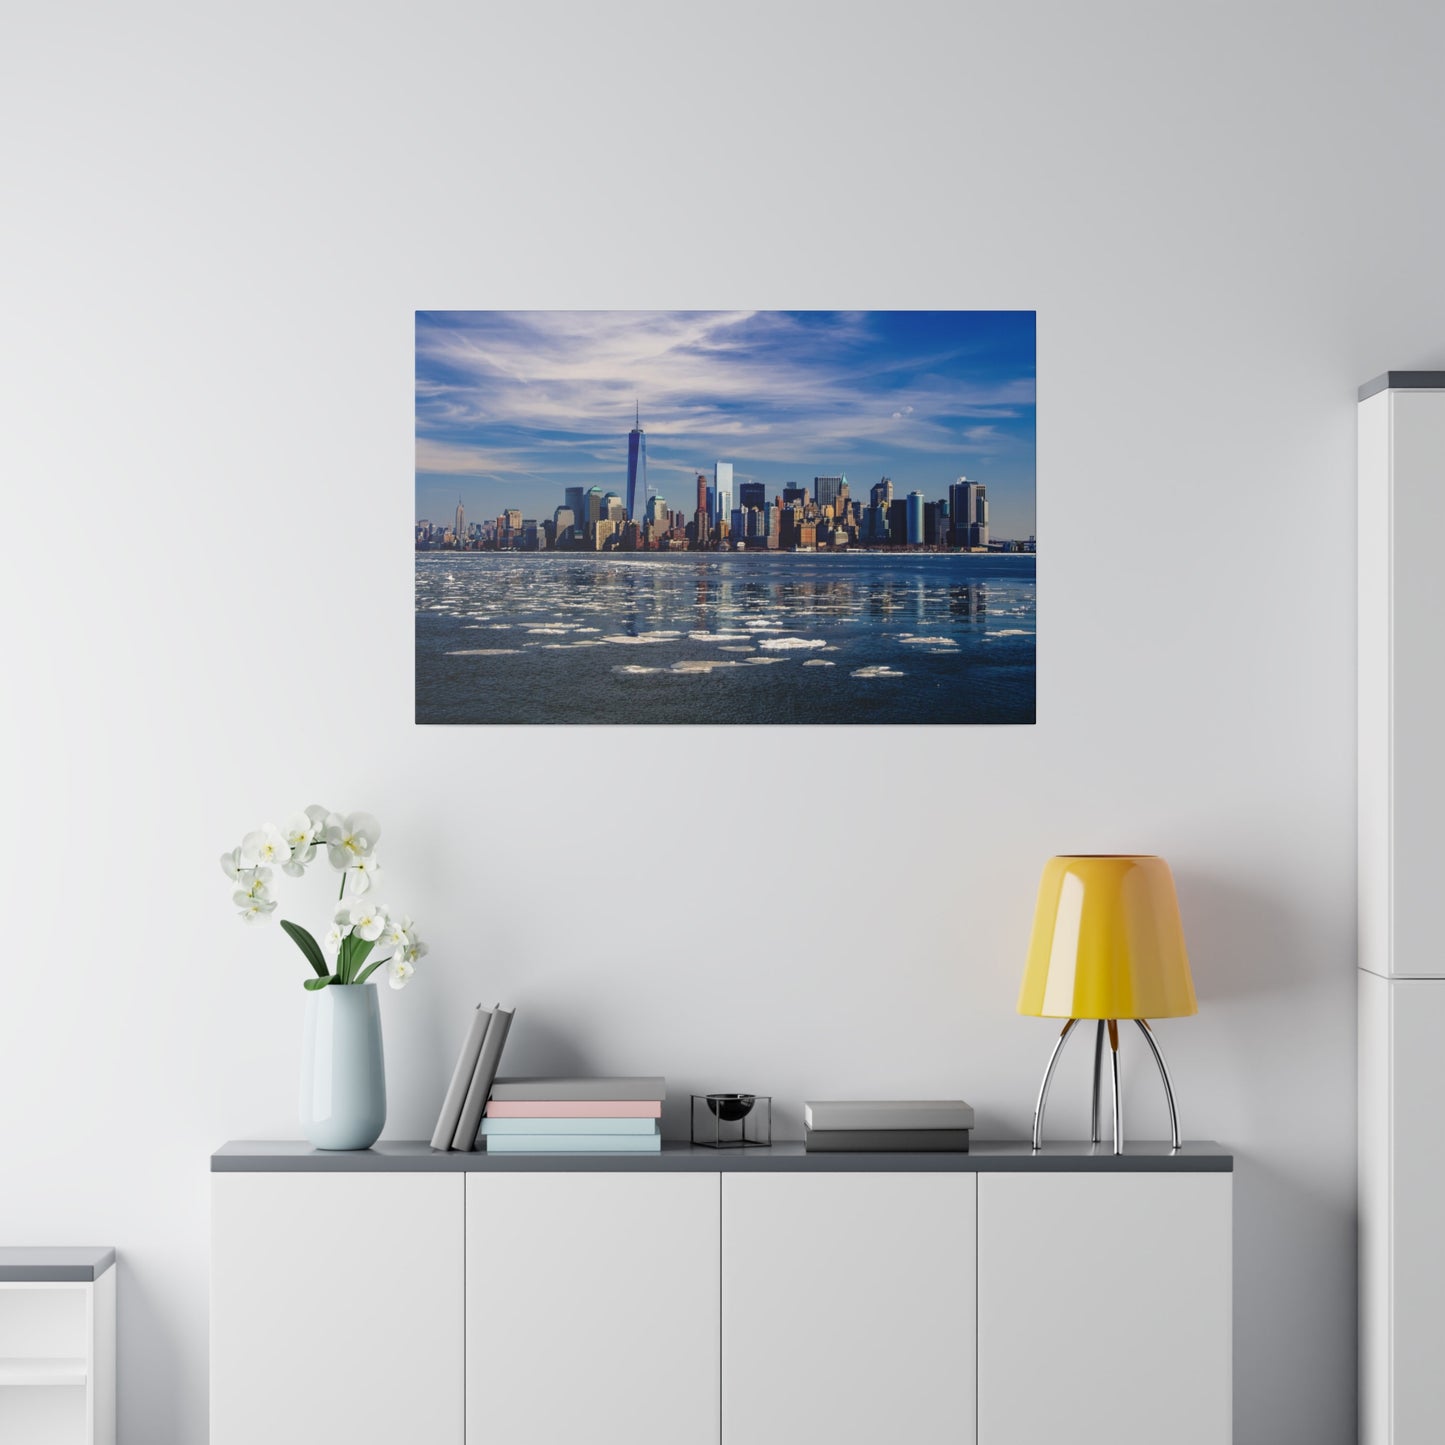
x=217, y=225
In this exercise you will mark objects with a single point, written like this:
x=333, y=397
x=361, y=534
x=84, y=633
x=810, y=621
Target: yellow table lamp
x=1107, y=944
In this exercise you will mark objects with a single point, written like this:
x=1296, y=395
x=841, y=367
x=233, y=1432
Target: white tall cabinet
x=1401, y=895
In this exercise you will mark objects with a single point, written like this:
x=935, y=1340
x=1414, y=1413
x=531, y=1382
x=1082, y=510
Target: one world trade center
x=636, y=471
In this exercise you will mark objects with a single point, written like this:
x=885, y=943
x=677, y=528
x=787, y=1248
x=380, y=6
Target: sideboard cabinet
x=696, y=1298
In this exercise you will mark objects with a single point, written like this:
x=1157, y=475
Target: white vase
x=343, y=1077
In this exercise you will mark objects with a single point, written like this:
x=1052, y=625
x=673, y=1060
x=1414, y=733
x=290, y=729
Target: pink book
x=575, y=1109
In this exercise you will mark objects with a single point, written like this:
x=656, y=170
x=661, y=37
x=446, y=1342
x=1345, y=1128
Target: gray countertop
x=48, y=1264
x=282, y=1156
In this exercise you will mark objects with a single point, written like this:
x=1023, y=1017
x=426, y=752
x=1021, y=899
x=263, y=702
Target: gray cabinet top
x=1404, y=381
x=417, y=1157
x=50, y=1264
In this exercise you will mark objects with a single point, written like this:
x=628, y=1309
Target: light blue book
x=494, y=1127
x=574, y=1144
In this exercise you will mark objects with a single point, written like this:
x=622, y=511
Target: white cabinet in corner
x=336, y=1308
x=592, y=1309
x=1104, y=1308
x=848, y=1308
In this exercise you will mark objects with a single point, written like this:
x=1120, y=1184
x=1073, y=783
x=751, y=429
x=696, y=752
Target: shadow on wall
x=1284, y=1226
x=1244, y=943
x=148, y=1377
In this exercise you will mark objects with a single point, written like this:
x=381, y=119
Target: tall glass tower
x=636, y=467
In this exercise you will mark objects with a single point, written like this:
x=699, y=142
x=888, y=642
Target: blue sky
x=512, y=407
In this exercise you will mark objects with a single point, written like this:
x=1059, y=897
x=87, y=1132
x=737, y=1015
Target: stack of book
x=461, y=1114
x=575, y=1116
x=912, y=1126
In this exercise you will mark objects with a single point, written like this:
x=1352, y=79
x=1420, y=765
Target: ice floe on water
x=735, y=649
x=935, y=641
x=878, y=671
x=550, y=629
x=632, y=669
x=630, y=640
x=1011, y=632
x=819, y=662
x=484, y=652
x=784, y=644
x=720, y=636
x=568, y=646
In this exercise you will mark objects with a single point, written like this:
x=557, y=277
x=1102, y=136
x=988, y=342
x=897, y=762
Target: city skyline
x=514, y=408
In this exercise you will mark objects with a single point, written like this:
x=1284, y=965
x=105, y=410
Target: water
x=724, y=637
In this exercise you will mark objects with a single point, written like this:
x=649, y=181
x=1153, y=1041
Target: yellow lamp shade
x=1107, y=942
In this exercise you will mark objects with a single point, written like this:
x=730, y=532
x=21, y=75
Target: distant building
x=460, y=530
x=915, y=519
x=794, y=494
x=636, y=469
x=576, y=501
x=898, y=523
x=753, y=494
x=968, y=509
x=722, y=491
x=881, y=494
x=827, y=489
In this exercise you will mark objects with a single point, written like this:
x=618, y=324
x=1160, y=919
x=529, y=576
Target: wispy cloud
x=550, y=395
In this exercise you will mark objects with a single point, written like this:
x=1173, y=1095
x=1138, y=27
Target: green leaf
x=360, y=947
x=314, y=983
x=308, y=946
x=371, y=969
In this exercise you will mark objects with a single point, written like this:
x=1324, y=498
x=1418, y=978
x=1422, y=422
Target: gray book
x=516, y=1091
x=482, y=1077
x=451, y=1113
x=886, y=1141
x=889, y=1114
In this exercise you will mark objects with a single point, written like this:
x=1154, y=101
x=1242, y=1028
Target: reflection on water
x=952, y=636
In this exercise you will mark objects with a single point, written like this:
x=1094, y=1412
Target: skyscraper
x=915, y=519
x=700, y=517
x=753, y=494
x=968, y=510
x=882, y=493
x=722, y=491
x=460, y=531
x=826, y=489
x=636, y=467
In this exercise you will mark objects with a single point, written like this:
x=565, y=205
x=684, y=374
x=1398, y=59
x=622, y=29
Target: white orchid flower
x=295, y=866
x=412, y=950
x=266, y=846
x=232, y=866
x=334, y=937
x=363, y=875
x=299, y=830
x=255, y=908
x=342, y=919
x=254, y=883
x=368, y=921
x=398, y=933
x=350, y=838
x=398, y=971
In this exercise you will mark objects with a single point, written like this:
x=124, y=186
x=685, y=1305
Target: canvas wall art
x=725, y=517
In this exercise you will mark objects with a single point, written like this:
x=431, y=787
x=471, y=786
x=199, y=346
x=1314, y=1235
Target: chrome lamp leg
x=1164, y=1075
x=1094, y=1134
x=1118, y=1097
x=1063, y=1038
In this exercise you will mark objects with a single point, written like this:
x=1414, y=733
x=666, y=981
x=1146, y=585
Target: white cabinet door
x=336, y=1309
x=848, y=1309
x=592, y=1309
x=1401, y=681
x=1104, y=1309
x=1416, y=1155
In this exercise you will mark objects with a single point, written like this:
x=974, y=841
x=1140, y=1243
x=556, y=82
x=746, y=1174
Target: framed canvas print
x=725, y=517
